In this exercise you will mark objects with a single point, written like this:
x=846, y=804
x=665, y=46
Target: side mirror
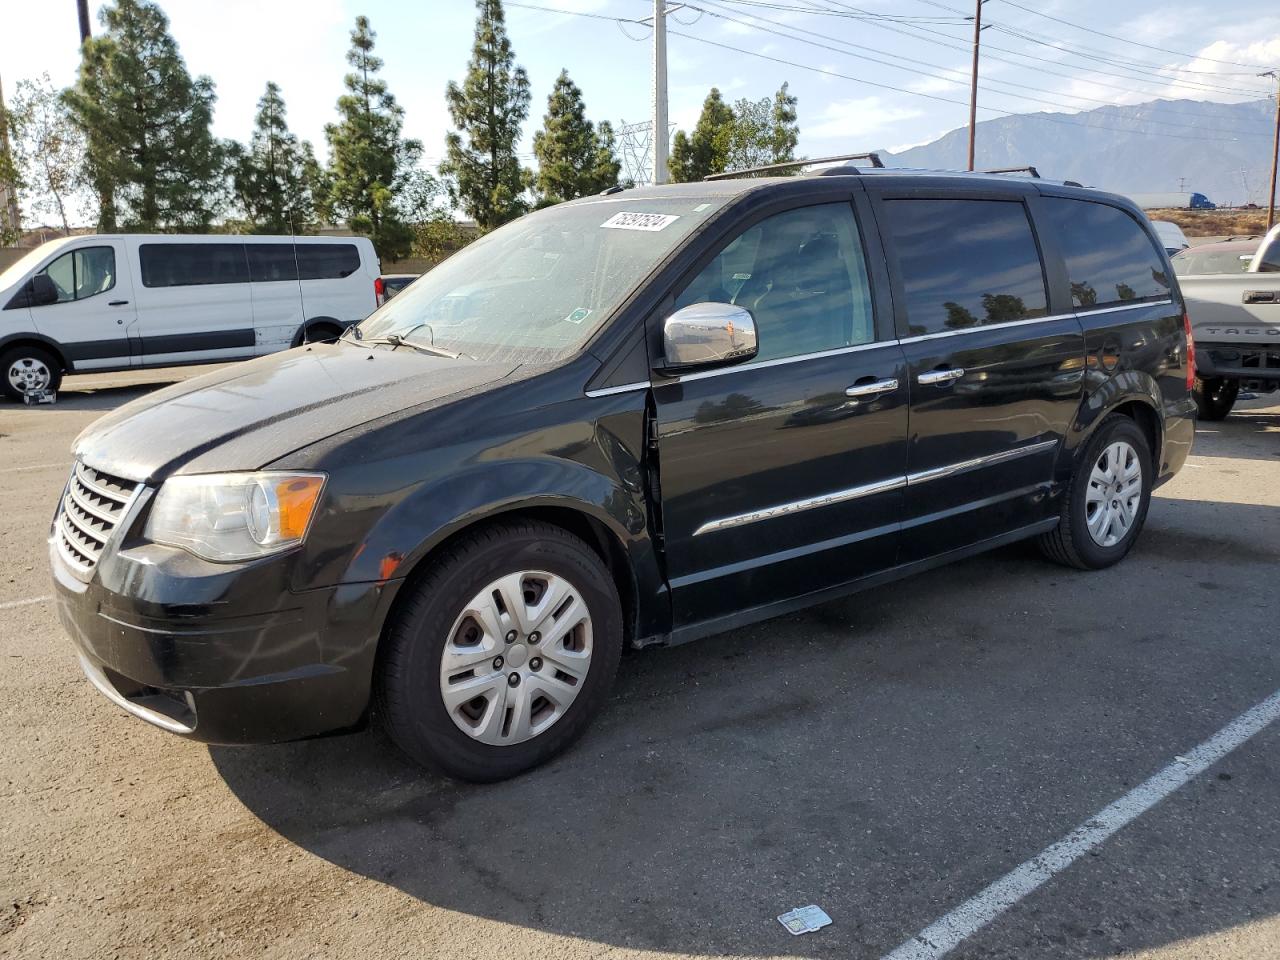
x=708, y=335
x=43, y=291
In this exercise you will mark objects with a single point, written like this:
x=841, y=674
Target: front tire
x=1105, y=506
x=501, y=655
x=1215, y=396
x=26, y=369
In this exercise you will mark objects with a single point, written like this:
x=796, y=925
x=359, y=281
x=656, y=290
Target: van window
x=966, y=263
x=802, y=275
x=269, y=262
x=83, y=273
x=192, y=264
x=1110, y=258
x=327, y=261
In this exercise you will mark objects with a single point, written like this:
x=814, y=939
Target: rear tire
x=1215, y=396
x=435, y=647
x=28, y=368
x=319, y=333
x=1105, y=505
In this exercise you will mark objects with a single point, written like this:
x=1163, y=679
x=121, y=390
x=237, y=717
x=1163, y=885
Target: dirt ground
x=886, y=756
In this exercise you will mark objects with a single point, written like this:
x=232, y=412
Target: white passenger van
x=130, y=301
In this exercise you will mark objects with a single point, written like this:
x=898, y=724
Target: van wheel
x=1105, y=506
x=28, y=369
x=321, y=333
x=501, y=655
x=1215, y=396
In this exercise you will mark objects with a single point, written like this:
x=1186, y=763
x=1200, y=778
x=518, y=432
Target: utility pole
x=82, y=7
x=659, y=91
x=973, y=86
x=1275, y=153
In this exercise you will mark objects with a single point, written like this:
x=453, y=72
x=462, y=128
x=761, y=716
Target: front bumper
x=171, y=639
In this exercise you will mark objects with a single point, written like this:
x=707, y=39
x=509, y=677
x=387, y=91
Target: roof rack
x=1029, y=171
x=873, y=158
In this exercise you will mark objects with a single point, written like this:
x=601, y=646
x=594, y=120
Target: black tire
x=1070, y=542
x=407, y=696
x=319, y=333
x=1215, y=396
x=28, y=355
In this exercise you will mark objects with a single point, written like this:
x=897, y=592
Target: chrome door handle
x=870, y=389
x=940, y=378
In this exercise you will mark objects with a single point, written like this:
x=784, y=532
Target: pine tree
x=274, y=176
x=484, y=173
x=151, y=158
x=370, y=162
x=48, y=148
x=706, y=151
x=573, y=159
x=785, y=134
x=763, y=131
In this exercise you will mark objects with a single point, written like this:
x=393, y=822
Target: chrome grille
x=91, y=509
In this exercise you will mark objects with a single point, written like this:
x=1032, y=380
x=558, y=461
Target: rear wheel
x=28, y=370
x=502, y=654
x=1215, y=396
x=1105, y=507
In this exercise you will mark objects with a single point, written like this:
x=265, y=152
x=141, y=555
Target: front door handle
x=940, y=378
x=1261, y=296
x=871, y=389
x=118, y=303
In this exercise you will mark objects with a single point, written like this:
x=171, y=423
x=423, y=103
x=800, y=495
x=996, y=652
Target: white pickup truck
x=1235, y=316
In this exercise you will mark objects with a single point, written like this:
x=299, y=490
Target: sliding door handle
x=940, y=378
x=871, y=389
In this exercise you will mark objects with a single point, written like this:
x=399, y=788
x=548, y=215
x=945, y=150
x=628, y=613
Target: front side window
x=535, y=290
x=83, y=273
x=803, y=276
x=192, y=264
x=966, y=263
x=1110, y=258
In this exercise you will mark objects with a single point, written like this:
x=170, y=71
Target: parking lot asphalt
x=887, y=757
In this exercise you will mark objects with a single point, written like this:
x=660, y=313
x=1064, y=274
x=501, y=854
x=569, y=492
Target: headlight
x=235, y=516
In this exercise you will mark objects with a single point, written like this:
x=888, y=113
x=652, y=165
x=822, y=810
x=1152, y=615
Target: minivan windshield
x=535, y=290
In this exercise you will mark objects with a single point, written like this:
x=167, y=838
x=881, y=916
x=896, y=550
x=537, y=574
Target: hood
x=249, y=414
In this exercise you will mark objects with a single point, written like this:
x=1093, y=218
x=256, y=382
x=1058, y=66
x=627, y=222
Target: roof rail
x=873, y=158
x=1028, y=170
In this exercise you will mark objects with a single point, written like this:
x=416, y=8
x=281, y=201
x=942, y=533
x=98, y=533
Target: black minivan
x=632, y=419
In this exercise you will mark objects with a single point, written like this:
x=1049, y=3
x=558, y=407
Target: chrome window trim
x=990, y=459
x=623, y=388
x=796, y=506
x=1116, y=308
x=868, y=489
x=780, y=361
x=1049, y=319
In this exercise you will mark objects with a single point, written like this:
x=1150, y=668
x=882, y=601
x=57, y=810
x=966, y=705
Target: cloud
x=850, y=120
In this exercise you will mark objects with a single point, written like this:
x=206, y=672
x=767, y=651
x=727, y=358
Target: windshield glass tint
x=535, y=290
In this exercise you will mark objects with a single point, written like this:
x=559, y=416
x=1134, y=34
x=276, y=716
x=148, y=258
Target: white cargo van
x=134, y=300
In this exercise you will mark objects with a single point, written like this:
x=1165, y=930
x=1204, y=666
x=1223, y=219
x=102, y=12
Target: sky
x=856, y=92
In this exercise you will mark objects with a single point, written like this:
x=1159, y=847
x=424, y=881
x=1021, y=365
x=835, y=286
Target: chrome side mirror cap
x=708, y=335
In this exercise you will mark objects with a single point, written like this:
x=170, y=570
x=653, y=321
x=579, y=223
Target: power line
x=918, y=31
x=960, y=82
x=1136, y=43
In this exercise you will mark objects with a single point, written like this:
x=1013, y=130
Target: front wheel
x=1215, y=396
x=1105, y=506
x=28, y=370
x=500, y=656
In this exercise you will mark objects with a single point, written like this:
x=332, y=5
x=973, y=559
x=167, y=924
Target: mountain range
x=1222, y=150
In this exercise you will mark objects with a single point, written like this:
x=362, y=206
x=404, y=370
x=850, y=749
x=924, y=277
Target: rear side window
x=966, y=263
x=803, y=277
x=192, y=264
x=327, y=261
x=1110, y=258
x=270, y=262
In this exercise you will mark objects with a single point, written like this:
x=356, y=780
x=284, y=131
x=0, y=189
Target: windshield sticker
x=650, y=222
x=578, y=315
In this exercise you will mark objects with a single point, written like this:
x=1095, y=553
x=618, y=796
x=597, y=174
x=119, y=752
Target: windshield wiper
x=396, y=340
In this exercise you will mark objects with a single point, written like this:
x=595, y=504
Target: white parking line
x=33, y=466
x=967, y=919
x=10, y=604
